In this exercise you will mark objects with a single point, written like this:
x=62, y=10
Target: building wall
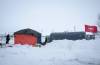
x=25, y=39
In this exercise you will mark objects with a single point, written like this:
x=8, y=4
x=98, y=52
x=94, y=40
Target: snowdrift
x=59, y=52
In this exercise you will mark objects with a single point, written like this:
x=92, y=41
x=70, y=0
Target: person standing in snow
x=7, y=39
x=0, y=42
x=46, y=39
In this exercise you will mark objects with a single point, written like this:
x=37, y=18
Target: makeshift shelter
x=27, y=36
x=67, y=35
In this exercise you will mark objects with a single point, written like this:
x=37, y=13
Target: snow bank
x=61, y=52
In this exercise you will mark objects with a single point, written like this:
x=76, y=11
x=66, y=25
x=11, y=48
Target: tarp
x=67, y=35
x=89, y=28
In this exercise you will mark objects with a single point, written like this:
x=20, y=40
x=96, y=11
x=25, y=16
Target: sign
x=89, y=28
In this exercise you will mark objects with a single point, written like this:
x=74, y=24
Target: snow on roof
x=89, y=33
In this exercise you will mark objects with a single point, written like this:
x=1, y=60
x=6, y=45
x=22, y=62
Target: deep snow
x=59, y=52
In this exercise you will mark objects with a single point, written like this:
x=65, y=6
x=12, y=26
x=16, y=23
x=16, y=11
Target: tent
x=27, y=36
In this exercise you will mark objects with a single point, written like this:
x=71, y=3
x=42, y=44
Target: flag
x=89, y=28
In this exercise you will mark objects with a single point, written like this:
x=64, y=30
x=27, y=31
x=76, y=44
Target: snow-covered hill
x=61, y=52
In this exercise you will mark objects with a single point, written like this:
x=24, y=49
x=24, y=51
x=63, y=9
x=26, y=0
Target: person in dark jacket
x=7, y=39
x=46, y=39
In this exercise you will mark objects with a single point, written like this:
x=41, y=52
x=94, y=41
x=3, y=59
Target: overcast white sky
x=47, y=16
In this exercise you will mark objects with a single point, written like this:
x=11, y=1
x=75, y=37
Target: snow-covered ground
x=59, y=52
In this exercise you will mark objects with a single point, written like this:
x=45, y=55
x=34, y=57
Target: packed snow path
x=61, y=52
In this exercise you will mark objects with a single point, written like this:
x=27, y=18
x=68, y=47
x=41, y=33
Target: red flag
x=89, y=28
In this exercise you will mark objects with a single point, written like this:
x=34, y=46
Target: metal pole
x=74, y=29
